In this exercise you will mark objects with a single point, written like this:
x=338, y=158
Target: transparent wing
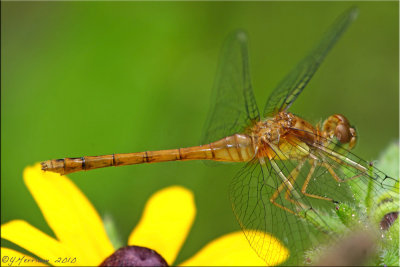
x=251, y=192
x=311, y=212
x=367, y=184
x=233, y=106
x=293, y=84
x=341, y=164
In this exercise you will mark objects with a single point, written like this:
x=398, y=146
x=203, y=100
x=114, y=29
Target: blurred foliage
x=389, y=253
x=91, y=78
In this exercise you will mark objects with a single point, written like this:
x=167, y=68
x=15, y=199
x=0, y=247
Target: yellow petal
x=11, y=257
x=166, y=221
x=70, y=215
x=234, y=250
x=28, y=237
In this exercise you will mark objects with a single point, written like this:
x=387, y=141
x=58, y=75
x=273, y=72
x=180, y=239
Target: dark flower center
x=388, y=220
x=134, y=256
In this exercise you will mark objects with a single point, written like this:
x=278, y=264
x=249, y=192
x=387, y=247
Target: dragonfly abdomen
x=235, y=148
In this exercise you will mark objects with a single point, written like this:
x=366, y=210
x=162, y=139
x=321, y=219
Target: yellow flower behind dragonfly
x=81, y=238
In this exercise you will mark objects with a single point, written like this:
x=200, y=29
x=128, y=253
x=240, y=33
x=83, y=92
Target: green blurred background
x=93, y=78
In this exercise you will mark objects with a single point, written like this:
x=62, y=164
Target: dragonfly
x=294, y=172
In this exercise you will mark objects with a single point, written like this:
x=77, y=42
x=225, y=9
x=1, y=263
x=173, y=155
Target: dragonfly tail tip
x=44, y=166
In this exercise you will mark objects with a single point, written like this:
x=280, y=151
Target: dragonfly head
x=338, y=126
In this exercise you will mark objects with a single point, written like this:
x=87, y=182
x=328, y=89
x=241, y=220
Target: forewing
x=233, y=106
x=293, y=84
x=360, y=177
x=364, y=191
x=368, y=185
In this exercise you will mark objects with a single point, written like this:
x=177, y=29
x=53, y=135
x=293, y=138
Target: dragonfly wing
x=368, y=184
x=233, y=104
x=360, y=176
x=251, y=191
x=293, y=84
x=367, y=192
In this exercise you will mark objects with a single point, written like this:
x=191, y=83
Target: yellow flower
x=82, y=240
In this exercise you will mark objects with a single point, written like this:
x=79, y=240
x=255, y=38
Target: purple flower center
x=134, y=256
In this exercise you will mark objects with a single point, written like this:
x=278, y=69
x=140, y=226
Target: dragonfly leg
x=288, y=184
x=342, y=159
x=293, y=176
x=307, y=181
x=335, y=176
x=333, y=173
x=275, y=195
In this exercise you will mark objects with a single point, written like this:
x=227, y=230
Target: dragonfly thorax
x=274, y=137
x=271, y=130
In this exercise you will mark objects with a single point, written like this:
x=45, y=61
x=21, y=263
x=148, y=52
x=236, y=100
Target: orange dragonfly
x=295, y=172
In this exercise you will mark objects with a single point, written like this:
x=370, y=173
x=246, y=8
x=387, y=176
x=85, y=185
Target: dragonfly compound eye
x=338, y=126
x=342, y=133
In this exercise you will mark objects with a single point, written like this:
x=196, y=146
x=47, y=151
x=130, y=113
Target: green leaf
x=389, y=160
x=347, y=215
x=112, y=231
